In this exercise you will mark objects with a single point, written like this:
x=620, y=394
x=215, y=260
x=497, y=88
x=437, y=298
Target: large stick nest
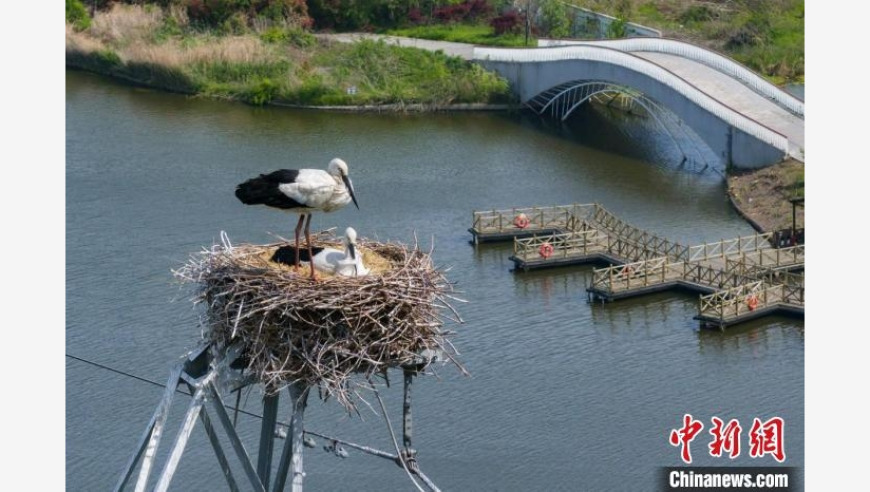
x=325, y=331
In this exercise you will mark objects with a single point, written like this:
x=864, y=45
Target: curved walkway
x=713, y=59
x=712, y=74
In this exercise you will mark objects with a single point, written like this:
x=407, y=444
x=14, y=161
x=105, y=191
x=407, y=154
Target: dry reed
x=126, y=22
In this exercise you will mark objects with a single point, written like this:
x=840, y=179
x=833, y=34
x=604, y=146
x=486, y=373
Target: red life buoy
x=752, y=302
x=521, y=221
x=546, y=250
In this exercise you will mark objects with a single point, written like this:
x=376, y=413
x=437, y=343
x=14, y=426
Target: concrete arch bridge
x=746, y=121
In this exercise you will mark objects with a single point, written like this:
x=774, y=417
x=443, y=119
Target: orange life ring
x=521, y=221
x=546, y=250
x=752, y=302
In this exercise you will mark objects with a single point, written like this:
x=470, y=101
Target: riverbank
x=762, y=196
x=272, y=64
x=284, y=65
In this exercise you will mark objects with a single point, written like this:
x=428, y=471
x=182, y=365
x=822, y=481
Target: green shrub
x=262, y=92
x=166, y=77
x=107, y=59
x=168, y=29
x=695, y=14
x=616, y=29
x=462, y=33
x=77, y=15
x=241, y=72
x=556, y=18
x=291, y=35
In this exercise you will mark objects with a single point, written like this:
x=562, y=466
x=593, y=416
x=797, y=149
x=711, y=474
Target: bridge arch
x=735, y=137
x=699, y=54
x=561, y=101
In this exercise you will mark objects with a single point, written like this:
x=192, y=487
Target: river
x=562, y=395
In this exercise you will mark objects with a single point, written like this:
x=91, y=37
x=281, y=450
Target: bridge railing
x=646, y=67
x=576, y=243
x=730, y=247
x=706, y=56
x=565, y=217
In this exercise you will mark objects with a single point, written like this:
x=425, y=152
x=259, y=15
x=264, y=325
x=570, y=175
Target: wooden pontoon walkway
x=741, y=278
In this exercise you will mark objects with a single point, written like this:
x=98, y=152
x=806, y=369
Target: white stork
x=301, y=191
x=347, y=263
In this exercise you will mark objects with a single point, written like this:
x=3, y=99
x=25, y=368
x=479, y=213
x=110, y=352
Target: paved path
x=462, y=50
x=734, y=94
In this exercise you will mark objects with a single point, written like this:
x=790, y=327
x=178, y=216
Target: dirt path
x=762, y=196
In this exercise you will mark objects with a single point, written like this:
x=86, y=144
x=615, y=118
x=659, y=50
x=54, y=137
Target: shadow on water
x=661, y=140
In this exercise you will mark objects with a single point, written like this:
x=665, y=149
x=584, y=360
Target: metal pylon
x=207, y=373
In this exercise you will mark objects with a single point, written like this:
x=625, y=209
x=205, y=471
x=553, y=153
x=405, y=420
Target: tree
x=555, y=18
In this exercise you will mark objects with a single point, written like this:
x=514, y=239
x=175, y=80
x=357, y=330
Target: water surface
x=562, y=395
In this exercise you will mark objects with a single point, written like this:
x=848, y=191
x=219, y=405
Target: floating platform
x=509, y=224
x=642, y=263
x=509, y=235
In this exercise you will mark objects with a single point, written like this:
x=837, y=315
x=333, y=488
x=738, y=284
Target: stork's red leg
x=308, y=241
x=298, y=230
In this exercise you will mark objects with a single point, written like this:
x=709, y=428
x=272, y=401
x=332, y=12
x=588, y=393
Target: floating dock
x=740, y=279
x=506, y=225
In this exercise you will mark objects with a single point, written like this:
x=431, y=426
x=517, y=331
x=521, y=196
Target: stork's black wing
x=263, y=190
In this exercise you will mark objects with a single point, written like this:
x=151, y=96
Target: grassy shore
x=281, y=63
x=461, y=33
x=271, y=63
x=765, y=35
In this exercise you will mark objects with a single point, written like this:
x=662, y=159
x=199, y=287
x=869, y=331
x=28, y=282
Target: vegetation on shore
x=461, y=33
x=262, y=51
x=260, y=59
x=765, y=35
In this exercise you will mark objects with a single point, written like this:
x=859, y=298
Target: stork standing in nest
x=301, y=191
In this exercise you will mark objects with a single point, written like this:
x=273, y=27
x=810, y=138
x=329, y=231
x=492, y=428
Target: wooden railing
x=634, y=275
x=740, y=300
x=766, y=273
x=654, y=245
x=729, y=247
x=582, y=242
x=773, y=257
x=661, y=270
x=565, y=217
x=793, y=294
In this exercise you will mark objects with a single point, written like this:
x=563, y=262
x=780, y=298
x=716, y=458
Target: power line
x=155, y=383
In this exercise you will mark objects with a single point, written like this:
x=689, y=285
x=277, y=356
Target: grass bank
x=271, y=63
x=462, y=33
